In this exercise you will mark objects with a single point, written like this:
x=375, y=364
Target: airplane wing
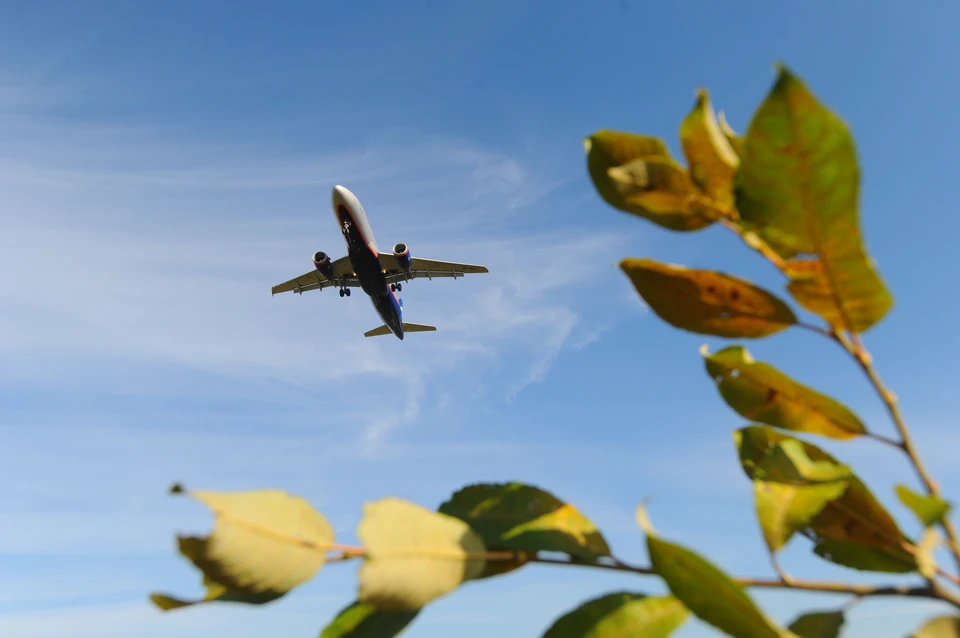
x=313, y=280
x=428, y=268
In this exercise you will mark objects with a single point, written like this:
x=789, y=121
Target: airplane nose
x=339, y=195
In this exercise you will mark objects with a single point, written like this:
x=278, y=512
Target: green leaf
x=799, y=490
x=712, y=160
x=939, y=627
x=525, y=519
x=707, y=302
x=820, y=624
x=853, y=530
x=264, y=543
x=707, y=591
x=414, y=555
x=928, y=508
x=635, y=174
x=783, y=510
x=798, y=189
x=621, y=615
x=363, y=620
x=760, y=392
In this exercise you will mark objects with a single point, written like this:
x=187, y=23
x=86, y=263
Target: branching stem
x=858, y=351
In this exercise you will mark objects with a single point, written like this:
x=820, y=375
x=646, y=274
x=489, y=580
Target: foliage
x=789, y=188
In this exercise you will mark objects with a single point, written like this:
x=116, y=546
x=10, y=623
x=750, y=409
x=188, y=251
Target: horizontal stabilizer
x=417, y=327
x=407, y=327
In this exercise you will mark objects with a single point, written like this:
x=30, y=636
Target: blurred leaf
x=363, y=620
x=264, y=543
x=708, y=592
x=414, y=555
x=760, y=392
x=798, y=189
x=926, y=562
x=939, y=627
x=514, y=516
x=736, y=142
x=928, y=508
x=820, y=624
x=636, y=174
x=800, y=490
x=783, y=510
x=853, y=530
x=707, y=302
x=713, y=161
x=621, y=615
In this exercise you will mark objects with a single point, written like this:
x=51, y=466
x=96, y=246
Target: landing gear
x=399, y=286
x=396, y=287
x=344, y=291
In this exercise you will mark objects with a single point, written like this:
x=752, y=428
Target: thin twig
x=924, y=591
x=857, y=350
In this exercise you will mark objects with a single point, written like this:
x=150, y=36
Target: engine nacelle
x=322, y=262
x=402, y=252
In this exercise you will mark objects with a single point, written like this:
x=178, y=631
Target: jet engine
x=322, y=261
x=402, y=252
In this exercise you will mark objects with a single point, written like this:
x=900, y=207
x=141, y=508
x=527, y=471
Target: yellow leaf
x=264, y=543
x=414, y=555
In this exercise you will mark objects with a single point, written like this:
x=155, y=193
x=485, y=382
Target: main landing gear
x=344, y=291
x=396, y=287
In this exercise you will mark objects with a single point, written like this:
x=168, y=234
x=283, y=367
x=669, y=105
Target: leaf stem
x=854, y=346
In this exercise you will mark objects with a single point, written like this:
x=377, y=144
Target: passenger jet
x=380, y=275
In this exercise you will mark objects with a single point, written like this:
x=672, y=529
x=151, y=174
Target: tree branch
x=857, y=590
x=857, y=350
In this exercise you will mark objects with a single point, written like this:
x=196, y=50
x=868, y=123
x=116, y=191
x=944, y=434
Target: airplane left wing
x=313, y=280
x=428, y=268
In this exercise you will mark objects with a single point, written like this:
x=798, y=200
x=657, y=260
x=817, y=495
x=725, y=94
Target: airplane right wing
x=428, y=268
x=313, y=280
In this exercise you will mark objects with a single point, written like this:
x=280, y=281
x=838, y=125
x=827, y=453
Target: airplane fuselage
x=363, y=252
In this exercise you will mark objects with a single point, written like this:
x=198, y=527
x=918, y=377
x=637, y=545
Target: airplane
x=380, y=275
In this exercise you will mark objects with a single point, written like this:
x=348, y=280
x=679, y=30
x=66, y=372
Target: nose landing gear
x=344, y=292
x=396, y=287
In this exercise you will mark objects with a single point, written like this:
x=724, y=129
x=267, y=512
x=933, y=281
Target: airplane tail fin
x=407, y=327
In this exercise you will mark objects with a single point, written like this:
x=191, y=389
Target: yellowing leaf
x=708, y=592
x=926, y=562
x=635, y=174
x=736, y=142
x=264, y=543
x=414, y=555
x=621, y=615
x=514, y=516
x=798, y=189
x=853, y=530
x=822, y=624
x=363, y=620
x=939, y=627
x=784, y=509
x=707, y=302
x=713, y=161
x=760, y=392
x=794, y=491
x=928, y=508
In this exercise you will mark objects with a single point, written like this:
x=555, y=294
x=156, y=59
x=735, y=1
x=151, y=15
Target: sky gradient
x=162, y=165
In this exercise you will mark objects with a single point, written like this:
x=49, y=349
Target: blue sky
x=164, y=164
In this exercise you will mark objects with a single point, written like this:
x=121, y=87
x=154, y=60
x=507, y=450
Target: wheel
x=348, y=292
x=399, y=286
x=393, y=287
x=341, y=292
